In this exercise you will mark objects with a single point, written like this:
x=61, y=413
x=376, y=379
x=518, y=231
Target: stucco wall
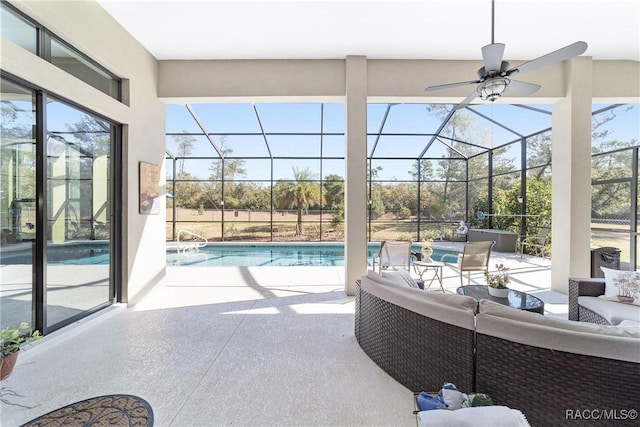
x=86, y=26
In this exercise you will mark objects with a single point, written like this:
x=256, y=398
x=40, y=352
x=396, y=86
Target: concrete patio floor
x=217, y=346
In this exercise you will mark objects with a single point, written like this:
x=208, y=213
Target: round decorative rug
x=118, y=410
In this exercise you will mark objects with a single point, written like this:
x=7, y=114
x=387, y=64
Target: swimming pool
x=219, y=254
x=75, y=253
x=260, y=255
x=330, y=255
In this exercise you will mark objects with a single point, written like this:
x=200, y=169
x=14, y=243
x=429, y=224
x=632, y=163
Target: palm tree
x=302, y=194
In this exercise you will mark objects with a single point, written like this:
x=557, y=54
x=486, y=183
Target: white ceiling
x=396, y=29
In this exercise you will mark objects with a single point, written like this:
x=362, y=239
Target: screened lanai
x=275, y=172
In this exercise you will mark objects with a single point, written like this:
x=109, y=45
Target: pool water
x=83, y=253
x=219, y=255
x=279, y=255
x=445, y=255
x=264, y=255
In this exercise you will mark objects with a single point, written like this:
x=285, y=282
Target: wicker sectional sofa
x=543, y=366
x=419, y=341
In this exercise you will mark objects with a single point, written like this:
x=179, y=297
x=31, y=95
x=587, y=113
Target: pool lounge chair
x=393, y=254
x=474, y=257
x=535, y=242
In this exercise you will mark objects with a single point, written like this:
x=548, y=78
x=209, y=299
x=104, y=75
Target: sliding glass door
x=58, y=217
x=78, y=149
x=17, y=203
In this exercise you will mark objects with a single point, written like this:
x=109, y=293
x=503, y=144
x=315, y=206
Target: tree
x=185, y=145
x=93, y=135
x=611, y=177
x=538, y=201
x=18, y=149
x=539, y=153
x=334, y=190
x=254, y=196
x=337, y=217
x=233, y=168
x=302, y=194
x=190, y=192
x=611, y=172
x=426, y=170
x=401, y=198
x=453, y=168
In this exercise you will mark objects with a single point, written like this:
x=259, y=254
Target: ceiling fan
x=494, y=76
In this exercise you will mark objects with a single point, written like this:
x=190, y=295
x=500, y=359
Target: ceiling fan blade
x=559, y=55
x=523, y=88
x=450, y=85
x=492, y=56
x=473, y=95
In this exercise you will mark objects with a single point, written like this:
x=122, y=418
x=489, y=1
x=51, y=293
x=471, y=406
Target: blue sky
x=221, y=119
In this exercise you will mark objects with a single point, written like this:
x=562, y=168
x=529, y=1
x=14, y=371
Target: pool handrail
x=189, y=246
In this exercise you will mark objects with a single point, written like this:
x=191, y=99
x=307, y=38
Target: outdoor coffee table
x=516, y=299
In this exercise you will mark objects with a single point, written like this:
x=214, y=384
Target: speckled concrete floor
x=238, y=353
x=232, y=346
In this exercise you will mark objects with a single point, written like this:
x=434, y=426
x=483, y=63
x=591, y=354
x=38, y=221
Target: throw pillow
x=400, y=277
x=622, y=286
x=407, y=278
x=394, y=277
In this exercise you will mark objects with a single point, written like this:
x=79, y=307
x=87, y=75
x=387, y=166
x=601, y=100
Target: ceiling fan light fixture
x=491, y=89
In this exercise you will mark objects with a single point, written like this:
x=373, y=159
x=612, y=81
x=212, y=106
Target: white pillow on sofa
x=478, y=416
x=622, y=286
x=400, y=277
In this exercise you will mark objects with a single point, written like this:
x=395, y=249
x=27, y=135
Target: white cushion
x=495, y=309
x=621, y=285
x=380, y=280
x=613, y=311
x=535, y=330
x=401, y=277
x=457, y=310
x=480, y=416
x=630, y=325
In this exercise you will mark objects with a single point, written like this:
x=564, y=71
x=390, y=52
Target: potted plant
x=497, y=282
x=11, y=339
x=426, y=250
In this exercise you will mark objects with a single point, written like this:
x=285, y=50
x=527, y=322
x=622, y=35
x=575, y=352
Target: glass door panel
x=78, y=206
x=17, y=203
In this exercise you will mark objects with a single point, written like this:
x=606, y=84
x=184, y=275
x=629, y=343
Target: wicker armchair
x=585, y=287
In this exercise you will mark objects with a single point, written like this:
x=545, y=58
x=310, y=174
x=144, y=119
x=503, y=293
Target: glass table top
x=516, y=299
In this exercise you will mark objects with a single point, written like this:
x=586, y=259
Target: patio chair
x=474, y=257
x=393, y=254
x=536, y=242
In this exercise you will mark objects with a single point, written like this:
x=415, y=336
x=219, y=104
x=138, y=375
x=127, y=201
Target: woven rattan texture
x=419, y=352
x=585, y=287
x=544, y=383
x=357, y=311
x=590, y=316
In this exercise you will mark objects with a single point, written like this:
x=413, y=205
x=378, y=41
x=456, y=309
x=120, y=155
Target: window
x=23, y=32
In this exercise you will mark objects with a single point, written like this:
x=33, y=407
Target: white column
x=571, y=177
x=355, y=192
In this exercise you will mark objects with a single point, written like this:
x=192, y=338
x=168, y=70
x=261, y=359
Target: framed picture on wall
x=149, y=188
